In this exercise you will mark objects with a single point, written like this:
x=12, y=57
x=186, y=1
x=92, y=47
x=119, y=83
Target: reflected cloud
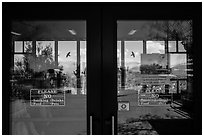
x=155, y=47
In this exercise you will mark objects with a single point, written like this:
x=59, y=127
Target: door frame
x=145, y=11
x=60, y=11
x=101, y=50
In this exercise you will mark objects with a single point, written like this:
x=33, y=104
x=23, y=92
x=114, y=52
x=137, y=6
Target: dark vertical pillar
x=144, y=47
x=122, y=64
x=109, y=73
x=34, y=47
x=34, y=57
x=167, y=53
x=177, y=43
x=94, y=73
x=34, y=53
x=78, y=68
x=178, y=86
x=13, y=51
x=23, y=46
x=58, y=82
x=56, y=54
x=166, y=47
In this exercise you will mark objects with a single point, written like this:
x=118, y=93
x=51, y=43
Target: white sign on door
x=123, y=106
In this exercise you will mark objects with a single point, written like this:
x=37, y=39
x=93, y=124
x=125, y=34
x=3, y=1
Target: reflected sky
x=152, y=47
x=18, y=46
x=69, y=63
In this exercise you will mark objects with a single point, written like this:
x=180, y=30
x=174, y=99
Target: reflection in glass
x=155, y=47
x=67, y=61
x=83, y=66
x=133, y=51
x=172, y=46
x=178, y=65
x=181, y=47
x=45, y=47
x=18, y=63
x=182, y=86
x=48, y=78
x=173, y=88
x=28, y=46
x=18, y=45
x=155, y=80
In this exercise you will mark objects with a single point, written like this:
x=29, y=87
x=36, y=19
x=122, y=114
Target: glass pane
x=173, y=88
x=119, y=53
x=68, y=63
x=18, y=63
x=178, y=65
x=181, y=47
x=155, y=47
x=119, y=63
x=83, y=66
x=28, y=48
x=42, y=47
x=172, y=46
x=133, y=51
x=152, y=84
x=49, y=80
x=18, y=45
x=182, y=86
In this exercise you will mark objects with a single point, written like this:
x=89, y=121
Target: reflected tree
x=150, y=69
x=35, y=63
x=171, y=30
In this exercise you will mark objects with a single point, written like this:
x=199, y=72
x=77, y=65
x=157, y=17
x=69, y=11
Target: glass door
x=152, y=81
x=52, y=80
x=123, y=68
x=148, y=69
x=48, y=93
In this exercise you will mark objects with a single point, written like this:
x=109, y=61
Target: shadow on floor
x=173, y=126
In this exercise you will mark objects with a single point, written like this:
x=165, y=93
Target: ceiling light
x=132, y=32
x=15, y=33
x=73, y=32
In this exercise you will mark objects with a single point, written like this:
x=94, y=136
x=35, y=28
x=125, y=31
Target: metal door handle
x=91, y=125
x=113, y=125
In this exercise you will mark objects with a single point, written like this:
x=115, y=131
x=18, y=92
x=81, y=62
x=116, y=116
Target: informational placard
x=153, y=99
x=155, y=79
x=47, y=97
x=154, y=91
x=123, y=106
